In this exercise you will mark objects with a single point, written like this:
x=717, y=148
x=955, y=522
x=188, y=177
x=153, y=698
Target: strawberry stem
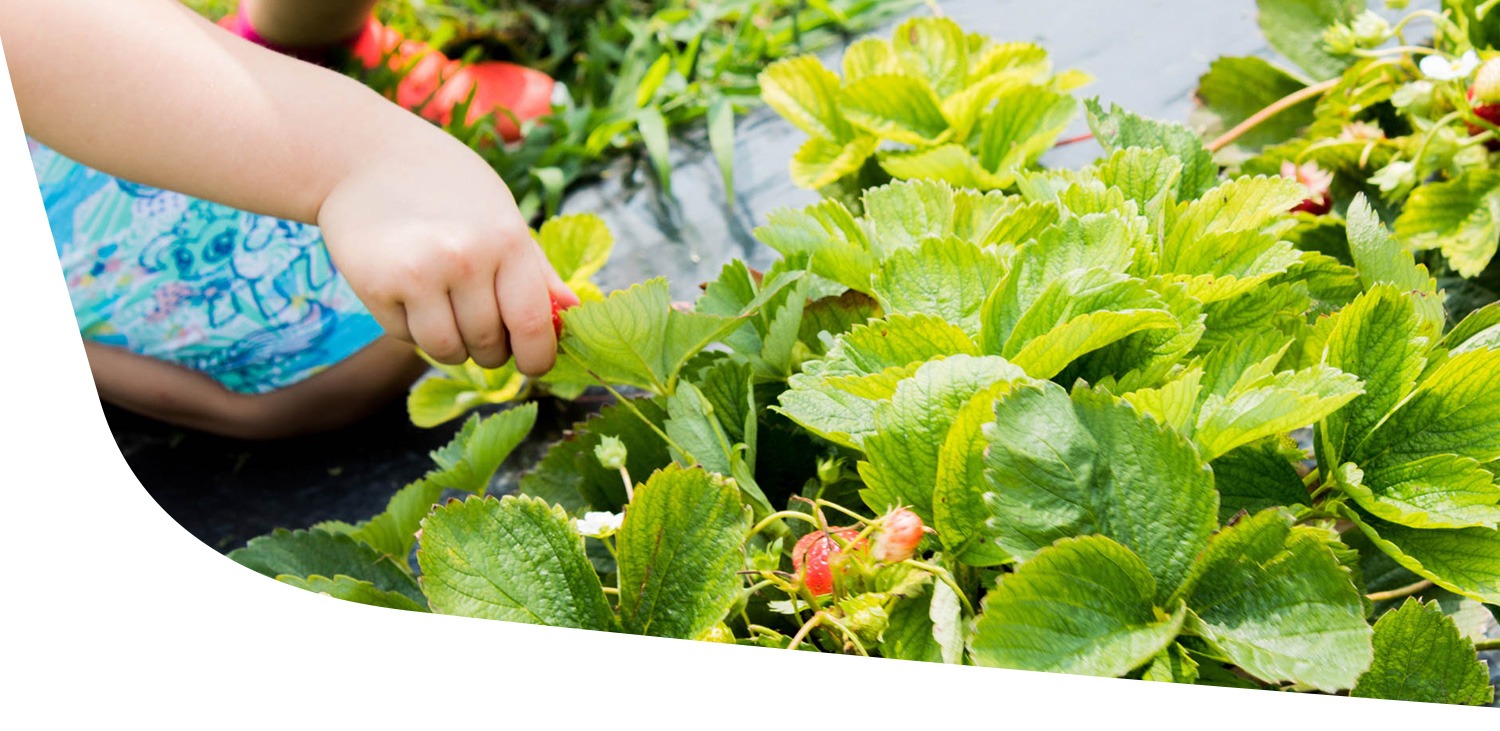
x=1486, y=645
x=803, y=631
x=1405, y=591
x=629, y=486
x=943, y=576
x=1271, y=110
x=773, y=517
x=1085, y=137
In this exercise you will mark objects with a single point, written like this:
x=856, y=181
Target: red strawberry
x=812, y=555
x=557, y=309
x=899, y=535
x=1489, y=112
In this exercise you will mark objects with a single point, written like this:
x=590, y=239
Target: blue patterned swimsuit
x=250, y=300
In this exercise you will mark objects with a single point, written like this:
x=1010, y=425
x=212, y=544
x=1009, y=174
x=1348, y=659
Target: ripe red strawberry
x=813, y=553
x=557, y=309
x=1489, y=112
x=899, y=535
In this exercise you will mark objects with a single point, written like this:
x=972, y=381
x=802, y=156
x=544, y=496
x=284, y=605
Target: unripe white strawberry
x=899, y=535
x=1486, y=86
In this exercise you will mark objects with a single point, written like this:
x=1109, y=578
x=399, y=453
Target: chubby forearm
x=148, y=91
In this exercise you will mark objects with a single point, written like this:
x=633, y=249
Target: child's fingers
x=392, y=319
x=527, y=310
x=560, y=290
x=478, y=318
x=434, y=330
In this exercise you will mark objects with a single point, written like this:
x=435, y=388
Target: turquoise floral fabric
x=252, y=301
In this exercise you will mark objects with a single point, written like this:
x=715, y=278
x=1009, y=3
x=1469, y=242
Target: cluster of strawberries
x=820, y=554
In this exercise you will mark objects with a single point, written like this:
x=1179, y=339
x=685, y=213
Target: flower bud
x=611, y=453
x=1339, y=39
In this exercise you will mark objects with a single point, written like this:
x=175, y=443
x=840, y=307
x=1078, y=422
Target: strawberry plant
x=941, y=430
x=1402, y=112
x=1127, y=420
x=932, y=102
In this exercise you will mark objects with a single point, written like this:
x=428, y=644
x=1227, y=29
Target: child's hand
x=424, y=231
x=430, y=239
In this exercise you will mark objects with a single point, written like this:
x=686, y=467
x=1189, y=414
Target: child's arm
x=424, y=231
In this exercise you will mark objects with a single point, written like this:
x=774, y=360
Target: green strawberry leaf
x=1079, y=313
x=1118, y=129
x=1062, y=466
x=1456, y=410
x=1295, y=29
x=636, y=338
x=470, y=460
x=1243, y=204
x=1255, y=477
x=946, y=277
x=820, y=163
x=1145, y=176
x=1472, y=326
x=307, y=553
x=909, y=634
x=1172, y=665
x=934, y=49
x=830, y=235
x=453, y=391
x=958, y=511
x=870, y=57
x=694, y=426
x=1461, y=217
x=834, y=396
x=515, y=559
x=577, y=246
x=951, y=163
x=1378, y=338
x=806, y=93
x=1441, y=491
x=353, y=590
x=1270, y=406
x=1174, y=403
x=833, y=316
x=893, y=107
x=394, y=531
x=1032, y=119
x=904, y=214
x=1380, y=258
x=1465, y=561
x=1082, y=606
x=1420, y=656
x=902, y=454
x=1277, y=603
x=1106, y=242
x=680, y=549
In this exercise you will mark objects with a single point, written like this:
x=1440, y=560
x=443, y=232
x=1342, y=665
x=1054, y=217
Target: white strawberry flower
x=1437, y=67
x=599, y=525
